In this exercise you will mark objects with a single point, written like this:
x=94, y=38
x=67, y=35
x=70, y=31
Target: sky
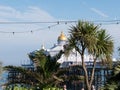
x=18, y=40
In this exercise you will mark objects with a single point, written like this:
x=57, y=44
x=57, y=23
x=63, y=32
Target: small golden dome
x=62, y=37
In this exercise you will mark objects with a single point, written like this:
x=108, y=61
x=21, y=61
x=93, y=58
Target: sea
x=3, y=79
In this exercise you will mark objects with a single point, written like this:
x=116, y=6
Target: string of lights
x=68, y=21
x=54, y=23
x=43, y=28
x=37, y=22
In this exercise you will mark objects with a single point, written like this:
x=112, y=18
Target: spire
x=43, y=47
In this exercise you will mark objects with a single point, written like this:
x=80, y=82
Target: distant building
x=73, y=59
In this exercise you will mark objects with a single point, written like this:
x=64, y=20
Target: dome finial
x=62, y=37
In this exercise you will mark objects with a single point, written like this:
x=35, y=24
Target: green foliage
x=112, y=86
x=18, y=87
x=113, y=83
x=44, y=75
x=52, y=88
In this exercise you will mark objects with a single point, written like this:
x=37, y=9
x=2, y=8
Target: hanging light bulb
x=58, y=22
x=31, y=31
x=65, y=22
x=117, y=23
x=13, y=33
x=49, y=27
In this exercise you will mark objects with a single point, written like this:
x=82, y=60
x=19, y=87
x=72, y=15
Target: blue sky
x=14, y=48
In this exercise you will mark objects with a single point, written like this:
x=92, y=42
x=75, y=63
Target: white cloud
x=41, y=13
x=36, y=14
x=31, y=13
x=7, y=12
x=99, y=12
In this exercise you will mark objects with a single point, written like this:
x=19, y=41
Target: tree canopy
x=87, y=38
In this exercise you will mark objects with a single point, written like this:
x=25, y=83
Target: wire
x=62, y=21
x=55, y=23
x=36, y=22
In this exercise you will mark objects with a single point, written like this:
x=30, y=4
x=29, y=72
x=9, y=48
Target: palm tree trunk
x=93, y=71
x=88, y=86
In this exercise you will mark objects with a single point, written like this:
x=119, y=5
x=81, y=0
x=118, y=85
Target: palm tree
x=47, y=71
x=47, y=67
x=87, y=38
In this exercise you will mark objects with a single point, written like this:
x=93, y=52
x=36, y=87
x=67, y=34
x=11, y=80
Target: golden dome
x=62, y=37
